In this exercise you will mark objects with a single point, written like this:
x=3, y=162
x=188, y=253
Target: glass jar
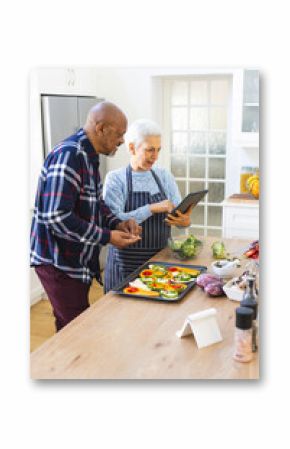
x=243, y=335
x=246, y=172
x=243, y=345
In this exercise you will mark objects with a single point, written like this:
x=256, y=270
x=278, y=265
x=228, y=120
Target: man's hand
x=181, y=219
x=130, y=226
x=163, y=206
x=122, y=239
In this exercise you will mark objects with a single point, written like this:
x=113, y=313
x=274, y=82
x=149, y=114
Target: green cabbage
x=176, y=245
x=190, y=246
x=185, y=249
x=219, y=250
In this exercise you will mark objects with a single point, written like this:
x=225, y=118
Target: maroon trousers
x=68, y=296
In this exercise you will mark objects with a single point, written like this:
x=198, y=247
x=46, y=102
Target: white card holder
x=204, y=327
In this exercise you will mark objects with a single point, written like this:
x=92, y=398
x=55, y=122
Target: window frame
x=167, y=139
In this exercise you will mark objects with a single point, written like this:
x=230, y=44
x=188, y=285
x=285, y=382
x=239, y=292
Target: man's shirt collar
x=88, y=147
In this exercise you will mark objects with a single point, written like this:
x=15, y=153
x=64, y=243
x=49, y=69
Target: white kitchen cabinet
x=65, y=80
x=241, y=219
x=246, y=115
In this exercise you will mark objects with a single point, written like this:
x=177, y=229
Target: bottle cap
x=244, y=317
x=250, y=304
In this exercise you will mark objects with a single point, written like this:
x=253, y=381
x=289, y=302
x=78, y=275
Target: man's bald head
x=106, y=112
x=105, y=126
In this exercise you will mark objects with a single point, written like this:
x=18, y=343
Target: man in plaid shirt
x=71, y=221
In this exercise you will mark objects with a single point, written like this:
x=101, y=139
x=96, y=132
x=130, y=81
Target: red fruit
x=146, y=273
x=255, y=256
x=250, y=252
x=131, y=289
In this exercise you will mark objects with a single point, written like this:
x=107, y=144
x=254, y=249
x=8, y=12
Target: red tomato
x=255, y=256
x=172, y=269
x=177, y=286
x=146, y=272
x=132, y=289
x=250, y=252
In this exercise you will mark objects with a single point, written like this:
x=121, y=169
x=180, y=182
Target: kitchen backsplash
x=249, y=157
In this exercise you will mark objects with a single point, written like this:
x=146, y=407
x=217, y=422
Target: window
x=196, y=115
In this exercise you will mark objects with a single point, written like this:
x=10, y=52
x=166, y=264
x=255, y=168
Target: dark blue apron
x=155, y=232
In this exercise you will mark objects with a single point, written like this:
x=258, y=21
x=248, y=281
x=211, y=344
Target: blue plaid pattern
x=71, y=221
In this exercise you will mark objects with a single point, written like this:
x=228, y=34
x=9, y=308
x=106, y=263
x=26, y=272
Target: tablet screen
x=192, y=199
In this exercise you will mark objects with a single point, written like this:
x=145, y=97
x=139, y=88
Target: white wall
x=132, y=90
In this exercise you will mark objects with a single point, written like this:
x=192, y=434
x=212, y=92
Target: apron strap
x=129, y=179
x=158, y=182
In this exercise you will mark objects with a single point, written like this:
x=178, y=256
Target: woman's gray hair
x=139, y=130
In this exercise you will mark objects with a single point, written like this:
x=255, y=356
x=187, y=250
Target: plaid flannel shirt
x=71, y=221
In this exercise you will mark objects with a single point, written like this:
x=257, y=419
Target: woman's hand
x=162, y=207
x=179, y=220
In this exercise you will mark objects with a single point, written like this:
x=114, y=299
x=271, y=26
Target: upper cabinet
x=246, y=94
x=66, y=80
x=250, y=122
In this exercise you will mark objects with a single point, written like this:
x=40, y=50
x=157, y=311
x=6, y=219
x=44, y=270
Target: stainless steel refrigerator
x=62, y=116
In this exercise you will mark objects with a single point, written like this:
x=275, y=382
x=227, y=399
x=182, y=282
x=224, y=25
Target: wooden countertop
x=244, y=202
x=120, y=338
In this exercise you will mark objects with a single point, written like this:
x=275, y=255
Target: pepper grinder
x=249, y=300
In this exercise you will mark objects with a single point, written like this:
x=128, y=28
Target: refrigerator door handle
x=46, y=126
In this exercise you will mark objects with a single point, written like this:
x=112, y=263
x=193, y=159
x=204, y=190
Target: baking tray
x=134, y=275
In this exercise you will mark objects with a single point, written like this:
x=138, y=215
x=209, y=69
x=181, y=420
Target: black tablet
x=190, y=200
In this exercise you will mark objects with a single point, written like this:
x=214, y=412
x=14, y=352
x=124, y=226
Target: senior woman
x=144, y=193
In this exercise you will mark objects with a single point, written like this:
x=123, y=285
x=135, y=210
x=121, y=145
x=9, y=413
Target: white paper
x=185, y=330
x=204, y=327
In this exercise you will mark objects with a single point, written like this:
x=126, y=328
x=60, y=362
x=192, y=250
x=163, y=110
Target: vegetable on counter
x=203, y=279
x=253, y=251
x=155, y=286
x=184, y=270
x=214, y=289
x=211, y=284
x=185, y=249
x=184, y=277
x=219, y=250
x=190, y=246
x=178, y=287
x=146, y=273
x=169, y=294
x=139, y=284
x=163, y=281
x=138, y=291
